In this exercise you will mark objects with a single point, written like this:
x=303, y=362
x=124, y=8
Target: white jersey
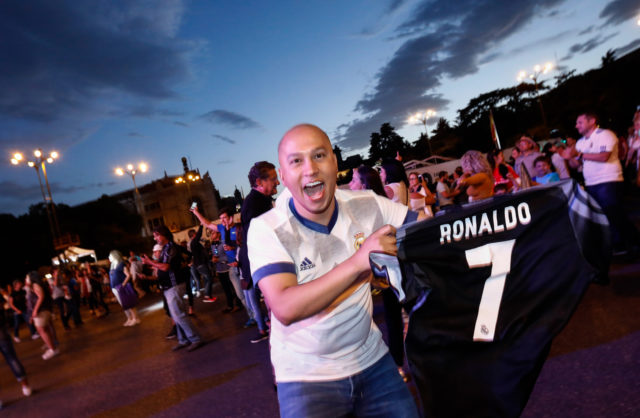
x=596, y=172
x=342, y=340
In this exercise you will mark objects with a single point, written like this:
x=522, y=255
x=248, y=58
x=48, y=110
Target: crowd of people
x=301, y=257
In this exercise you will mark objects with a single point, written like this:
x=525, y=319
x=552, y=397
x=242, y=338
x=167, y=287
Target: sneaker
x=210, y=300
x=26, y=390
x=260, y=337
x=50, y=353
x=250, y=323
x=180, y=346
x=128, y=323
x=172, y=334
x=16, y=339
x=35, y=336
x=195, y=346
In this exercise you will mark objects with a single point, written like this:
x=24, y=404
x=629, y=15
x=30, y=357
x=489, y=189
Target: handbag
x=128, y=296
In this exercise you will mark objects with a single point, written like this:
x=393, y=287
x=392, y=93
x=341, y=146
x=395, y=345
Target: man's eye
x=319, y=155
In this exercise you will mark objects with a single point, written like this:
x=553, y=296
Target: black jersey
x=488, y=287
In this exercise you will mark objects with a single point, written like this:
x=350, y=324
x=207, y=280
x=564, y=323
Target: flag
x=494, y=131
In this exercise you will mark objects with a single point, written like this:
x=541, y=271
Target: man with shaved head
x=310, y=257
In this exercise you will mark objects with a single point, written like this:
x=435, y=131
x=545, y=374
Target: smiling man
x=310, y=257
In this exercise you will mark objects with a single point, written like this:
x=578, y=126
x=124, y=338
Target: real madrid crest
x=358, y=239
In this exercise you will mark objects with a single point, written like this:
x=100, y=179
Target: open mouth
x=314, y=189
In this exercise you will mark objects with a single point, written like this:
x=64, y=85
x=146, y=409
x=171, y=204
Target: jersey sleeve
x=392, y=213
x=267, y=254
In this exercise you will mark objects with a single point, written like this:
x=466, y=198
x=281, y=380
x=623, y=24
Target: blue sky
x=109, y=82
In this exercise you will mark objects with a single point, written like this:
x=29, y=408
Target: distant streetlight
x=189, y=178
x=131, y=170
x=422, y=117
x=538, y=70
x=39, y=163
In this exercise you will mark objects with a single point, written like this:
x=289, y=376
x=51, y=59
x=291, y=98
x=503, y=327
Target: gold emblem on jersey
x=358, y=240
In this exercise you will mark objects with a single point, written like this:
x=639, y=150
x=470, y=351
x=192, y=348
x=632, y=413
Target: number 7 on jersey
x=498, y=255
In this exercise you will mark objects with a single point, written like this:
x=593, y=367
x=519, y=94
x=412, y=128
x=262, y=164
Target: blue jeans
x=23, y=317
x=610, y=196
x=254, y=306
x=185, y=330
x=377, y=391
x=204, y=271
x=9, y=353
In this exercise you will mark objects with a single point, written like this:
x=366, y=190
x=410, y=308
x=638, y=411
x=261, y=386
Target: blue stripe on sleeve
x=274, y=268
x=411, y=217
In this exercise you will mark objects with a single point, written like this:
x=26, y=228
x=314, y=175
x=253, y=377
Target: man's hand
x=146, y=259
x=382, y=240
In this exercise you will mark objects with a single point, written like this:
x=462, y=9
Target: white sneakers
x=131, y=322
x=50, y=353
x=26, y=390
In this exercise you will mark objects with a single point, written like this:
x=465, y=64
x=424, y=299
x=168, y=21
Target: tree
x=386, y=143
x=563, y=77
x=338, y=152
x=608, y=57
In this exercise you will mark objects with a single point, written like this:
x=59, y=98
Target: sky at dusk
x=110, y=82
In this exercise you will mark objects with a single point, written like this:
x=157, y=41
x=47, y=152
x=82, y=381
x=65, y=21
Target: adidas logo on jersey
x=306, y=264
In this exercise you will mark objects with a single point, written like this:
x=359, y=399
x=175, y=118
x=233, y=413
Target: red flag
x=494, y=131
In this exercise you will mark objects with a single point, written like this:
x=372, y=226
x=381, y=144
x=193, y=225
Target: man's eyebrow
x=299, y=153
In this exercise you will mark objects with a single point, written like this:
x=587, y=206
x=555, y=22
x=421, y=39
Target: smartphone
x=194, y=205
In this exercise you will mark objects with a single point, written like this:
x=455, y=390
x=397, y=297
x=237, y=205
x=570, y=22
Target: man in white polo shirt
x=310, y=257
x=603, y=178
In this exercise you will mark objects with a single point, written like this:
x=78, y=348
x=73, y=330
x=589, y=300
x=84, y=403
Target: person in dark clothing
x=9, y=353
x=18, y=302
x=264, y=182
x=200, y=264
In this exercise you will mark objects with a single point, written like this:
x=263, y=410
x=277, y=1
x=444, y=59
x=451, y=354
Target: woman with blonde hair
x=478, y=175
x=122, y=287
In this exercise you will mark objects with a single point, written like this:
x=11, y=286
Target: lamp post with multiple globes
x=131, y=170
x=422, y=117
x=538, y=70
x=39, y=163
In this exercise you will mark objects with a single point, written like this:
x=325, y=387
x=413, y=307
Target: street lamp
x=131, y=170
x=39, y=163
x=422, y=117
x=538, y=70
x=190, y=177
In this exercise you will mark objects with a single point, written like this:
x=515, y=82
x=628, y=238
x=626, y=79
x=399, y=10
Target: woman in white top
x=420, y=197
x=395, y=180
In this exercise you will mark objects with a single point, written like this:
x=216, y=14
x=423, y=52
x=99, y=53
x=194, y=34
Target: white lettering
x=458, y=230
x=496, y=225
x=510, y=218
x=445, y=233
x=485, y=225
x=524, y=215
x=470, y=227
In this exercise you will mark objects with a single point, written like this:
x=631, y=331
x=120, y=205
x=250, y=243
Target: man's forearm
x=596, y=156
x=292, y=302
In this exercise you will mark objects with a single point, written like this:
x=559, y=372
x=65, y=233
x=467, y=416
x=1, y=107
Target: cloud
x=445, y=39
x=61, y=57
x=178, y=123
x=19, y=192
x=232, y=119
x=617, y=11
x=628, y=47
x=136, y=135
x=225, y=162
x=587, y=46
x=224, y=138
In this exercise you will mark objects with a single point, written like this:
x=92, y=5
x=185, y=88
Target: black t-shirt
x=489, y=286
x=19, y=299
x=254, y=205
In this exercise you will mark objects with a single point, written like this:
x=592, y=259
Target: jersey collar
x=314, y=225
